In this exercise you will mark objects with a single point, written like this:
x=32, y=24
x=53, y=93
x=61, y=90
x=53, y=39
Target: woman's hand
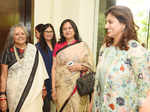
x=75, y=67
x=54, y=95
x=3, y=81
x=3, y=104
x=90, y=107
x=146, y=104
x=44, y=93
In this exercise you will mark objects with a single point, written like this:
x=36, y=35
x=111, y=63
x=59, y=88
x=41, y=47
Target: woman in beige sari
x=71, y=57
x=23, y=74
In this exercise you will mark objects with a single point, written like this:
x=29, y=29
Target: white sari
x=18, y=75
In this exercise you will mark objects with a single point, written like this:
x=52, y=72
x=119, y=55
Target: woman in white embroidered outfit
x=122, y=81
x=17, y=64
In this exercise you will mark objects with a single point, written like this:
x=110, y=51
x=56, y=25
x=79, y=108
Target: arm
x=140, y=64
x=77, y=67
x=95, y=101
x=3, y=81
x=3, y=78
x=44, y=91
x=53, y=79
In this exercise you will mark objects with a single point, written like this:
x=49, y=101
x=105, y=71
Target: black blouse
x=8, y=57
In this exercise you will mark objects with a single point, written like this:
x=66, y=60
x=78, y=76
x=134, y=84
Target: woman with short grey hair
x=22, y=74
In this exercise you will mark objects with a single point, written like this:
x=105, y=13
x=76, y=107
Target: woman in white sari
x=23, y=74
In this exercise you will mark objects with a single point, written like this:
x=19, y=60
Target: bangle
x=2, y=93
x=1, y=99
x=2, y=96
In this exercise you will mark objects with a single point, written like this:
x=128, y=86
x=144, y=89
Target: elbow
x=3, y=76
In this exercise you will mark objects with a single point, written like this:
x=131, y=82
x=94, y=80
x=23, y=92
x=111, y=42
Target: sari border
x=29, y=83
x=67, y=46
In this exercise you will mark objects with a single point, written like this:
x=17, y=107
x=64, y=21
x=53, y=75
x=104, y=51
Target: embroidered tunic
x=122, y=79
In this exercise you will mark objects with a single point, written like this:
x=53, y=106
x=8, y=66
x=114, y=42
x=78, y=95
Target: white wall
x=41, y=12
x=83, y=12
x=61, y=10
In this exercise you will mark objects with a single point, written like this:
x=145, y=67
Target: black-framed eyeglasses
x=48, y=31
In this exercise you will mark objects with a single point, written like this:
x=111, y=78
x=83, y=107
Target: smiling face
x=48, y=34
x=19, y=36
x=68, y=31
x=114, y=27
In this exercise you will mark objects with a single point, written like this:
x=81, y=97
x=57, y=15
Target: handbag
x=85, y=84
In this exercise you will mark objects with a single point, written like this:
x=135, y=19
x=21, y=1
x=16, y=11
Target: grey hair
x=10, y=40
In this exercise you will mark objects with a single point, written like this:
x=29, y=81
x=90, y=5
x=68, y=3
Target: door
x=13, y=12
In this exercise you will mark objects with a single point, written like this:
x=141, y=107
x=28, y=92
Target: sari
x=66, y=80
x=18, y=75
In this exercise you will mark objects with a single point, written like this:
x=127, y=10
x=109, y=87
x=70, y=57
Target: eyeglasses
x=48, y=31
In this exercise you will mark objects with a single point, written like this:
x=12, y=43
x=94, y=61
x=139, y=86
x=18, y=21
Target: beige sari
x=66, y=81
x=18, y=75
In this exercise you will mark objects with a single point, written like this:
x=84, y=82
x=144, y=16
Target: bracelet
x=1, y=99
x=2, y=93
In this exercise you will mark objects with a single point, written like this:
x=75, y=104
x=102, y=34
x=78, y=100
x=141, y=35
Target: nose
x=21, y=35
x=68, y=29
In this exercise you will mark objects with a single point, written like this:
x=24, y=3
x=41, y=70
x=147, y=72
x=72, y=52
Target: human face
x=19, y=36
x=68, y=31
x=48, y=34
x=114, y=27
x=37, y=34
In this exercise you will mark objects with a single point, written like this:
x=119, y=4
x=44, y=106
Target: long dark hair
x=123, y=15
x=42, y=42
x=74, y=26
x=39, y=27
